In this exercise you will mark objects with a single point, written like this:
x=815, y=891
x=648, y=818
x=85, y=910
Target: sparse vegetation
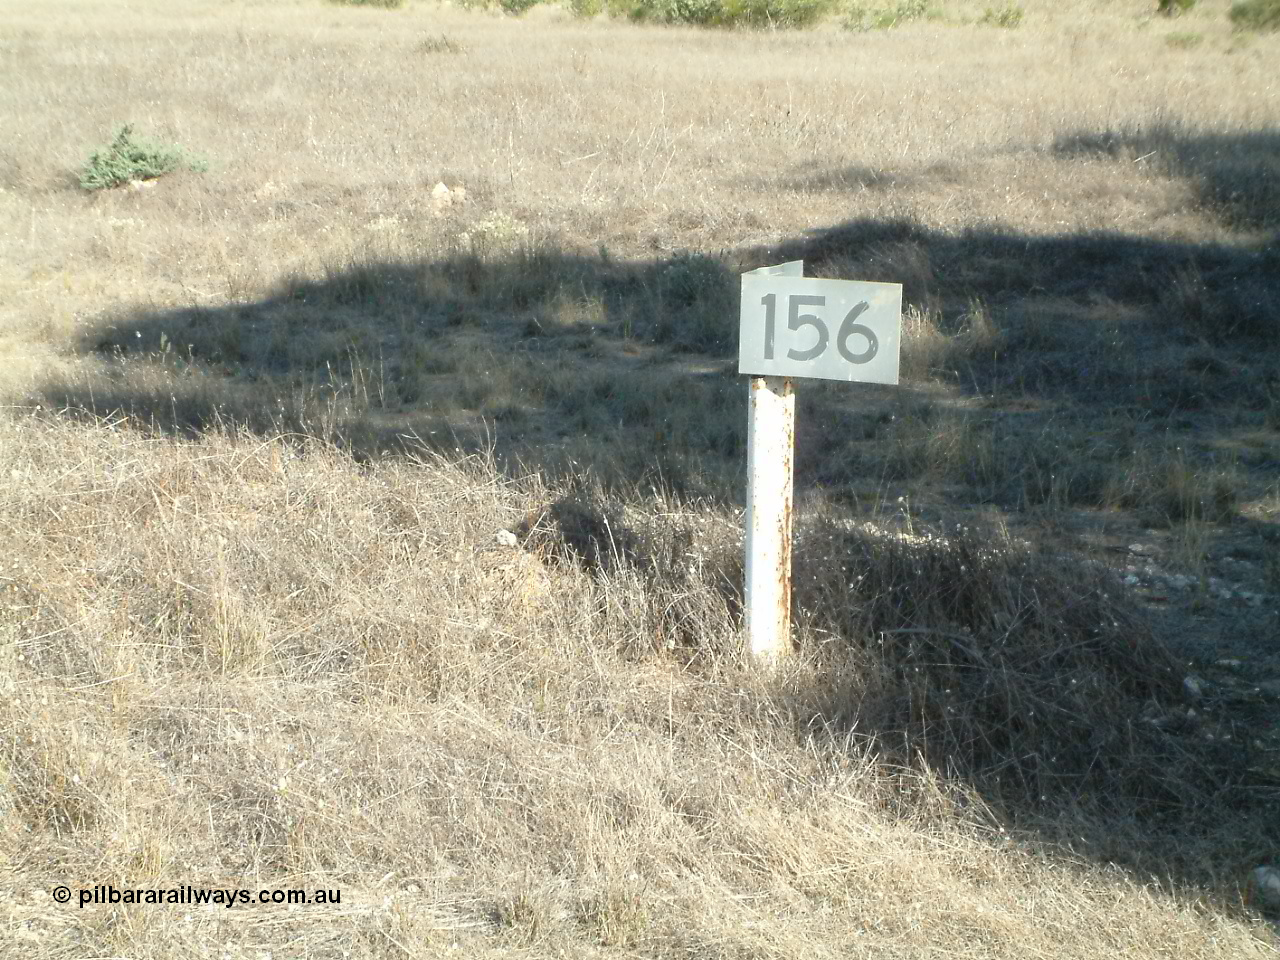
x=1256, y=15
x=517, y=7
x=268, y=438
x=862, y=16
x=1172, y=490
x=1009, y=16
x=727, y=13
x=1173, y=8
x=702, y=13
x=133, y=159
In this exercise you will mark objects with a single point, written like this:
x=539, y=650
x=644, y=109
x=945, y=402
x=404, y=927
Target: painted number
x=796, y=320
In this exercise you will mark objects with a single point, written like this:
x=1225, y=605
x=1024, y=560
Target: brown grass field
x=262, y=423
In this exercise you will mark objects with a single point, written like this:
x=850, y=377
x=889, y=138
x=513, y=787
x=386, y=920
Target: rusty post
x=770, y=450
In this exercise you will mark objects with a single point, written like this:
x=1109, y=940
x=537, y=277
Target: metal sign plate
x=792, y=326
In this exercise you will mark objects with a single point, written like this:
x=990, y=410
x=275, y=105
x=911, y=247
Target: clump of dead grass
x=991, y=657
x=1168, y=486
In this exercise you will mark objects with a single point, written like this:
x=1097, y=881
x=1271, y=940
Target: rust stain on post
x=784, y=521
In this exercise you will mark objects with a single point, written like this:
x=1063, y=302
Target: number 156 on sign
x=830, y=329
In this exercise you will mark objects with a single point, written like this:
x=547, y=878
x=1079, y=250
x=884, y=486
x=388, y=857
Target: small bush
x=1006, y=17
x=776, y=13
x=517, y=7
x=1171, y=8
x=702, y=13
x=862, y=17
x=385, y=4
x=726, y=13
x=1183, y=40
x=1256, y=15
x=129, y=158
x=692, y=290
x=586, y=9
x=689, y=277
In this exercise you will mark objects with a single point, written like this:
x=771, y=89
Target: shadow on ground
x=562, y=360
x=1009, y=669
x=1236, y=175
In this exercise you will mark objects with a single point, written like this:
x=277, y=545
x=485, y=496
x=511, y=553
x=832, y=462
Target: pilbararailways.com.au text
x=105, y=895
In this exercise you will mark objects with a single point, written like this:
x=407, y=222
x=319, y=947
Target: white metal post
x=770, y=445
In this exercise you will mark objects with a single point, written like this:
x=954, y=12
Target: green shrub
x=1007, y=17
x=130, y=158
x=586, y=9
x=386, y=4
x=1171, y=8
x=1256, y=15
x=723, y=13
x=863, y=17
x=517, y=7
x=702, y=13
x=775, y=13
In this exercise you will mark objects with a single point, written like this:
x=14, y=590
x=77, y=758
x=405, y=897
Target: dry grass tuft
x=996, y=659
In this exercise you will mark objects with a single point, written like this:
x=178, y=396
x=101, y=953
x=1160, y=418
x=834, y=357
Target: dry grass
x=249, y=663
x=255, y=630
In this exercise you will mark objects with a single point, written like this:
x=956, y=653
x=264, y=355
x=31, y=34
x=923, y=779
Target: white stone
x=1193, y=686
x=506, y=538
x=1266, y=886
